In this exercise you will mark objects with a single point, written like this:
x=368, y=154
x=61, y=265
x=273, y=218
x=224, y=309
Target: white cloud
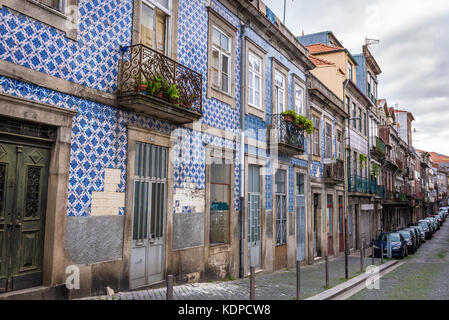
x=413, y=52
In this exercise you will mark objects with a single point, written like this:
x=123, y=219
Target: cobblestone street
x=423, y=276
x=276, y=286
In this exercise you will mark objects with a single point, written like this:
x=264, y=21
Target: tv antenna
x=369, y=42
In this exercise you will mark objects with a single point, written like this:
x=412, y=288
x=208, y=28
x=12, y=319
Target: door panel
x=23, y=194
x=148, y=244
x=330, y=221
x=341, y=224
x=300, y=218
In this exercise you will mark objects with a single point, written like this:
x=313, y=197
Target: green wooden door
x=23, y=194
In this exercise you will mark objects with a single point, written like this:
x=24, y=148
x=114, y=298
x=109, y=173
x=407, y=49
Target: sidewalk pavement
x=274, y=286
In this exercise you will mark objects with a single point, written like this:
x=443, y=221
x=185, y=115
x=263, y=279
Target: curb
x=348, y=285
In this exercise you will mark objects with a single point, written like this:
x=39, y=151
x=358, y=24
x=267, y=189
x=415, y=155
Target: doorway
x=148, y=232
x=316, y=227
x=23, y=192
x=330, y=228
x=254, y=205
x=300, y=218
x=281, y=219
x=341, y=224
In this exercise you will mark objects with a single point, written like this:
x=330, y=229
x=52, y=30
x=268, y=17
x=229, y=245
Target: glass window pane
x=280, y=181
x=163, y=3
x=299, y=184
x=253, y=178
x=220, y=173
x=215, y=36
x=225, y=83
x=257, y=91
x=147, y=26
x=250, y=88
x=225, y=42
x=219, y=214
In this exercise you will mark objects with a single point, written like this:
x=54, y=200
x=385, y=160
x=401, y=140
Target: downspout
x=242, y=151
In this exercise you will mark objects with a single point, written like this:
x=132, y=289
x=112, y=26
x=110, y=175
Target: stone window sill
x=49, y=16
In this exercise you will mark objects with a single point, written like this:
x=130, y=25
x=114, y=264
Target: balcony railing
x=379, y=146
x=152, y=83
x=362, y=185
x=286, y=136
x=334, y=171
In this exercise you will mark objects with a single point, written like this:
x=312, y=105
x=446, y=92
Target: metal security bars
x=149, y=191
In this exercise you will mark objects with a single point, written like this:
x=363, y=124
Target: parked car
x=398, y=245
x=424, y=227
x=428, y=228
x=436, y=225
x=421, y=235
x=408, y=236
x=438, y=217
x=416, y=238
x=444, y=212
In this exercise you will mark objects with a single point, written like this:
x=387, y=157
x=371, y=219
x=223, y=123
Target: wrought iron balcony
x=334, y=172
x=360, y=185
x=381, y=192
x=379, y=146
x=154, y=84
x=286, y=136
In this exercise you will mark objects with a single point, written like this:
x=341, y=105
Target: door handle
x=18, y=224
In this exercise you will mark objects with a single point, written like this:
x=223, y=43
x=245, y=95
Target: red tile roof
x=439, y=158
x=322, y=48
x=319, y=61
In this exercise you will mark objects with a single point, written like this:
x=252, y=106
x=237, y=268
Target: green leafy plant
x=173, y=92
x=362, y=160
x=375, y=170
x=300, y=120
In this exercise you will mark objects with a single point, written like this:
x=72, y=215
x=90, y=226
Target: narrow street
x=275, y=286
x=423, y=276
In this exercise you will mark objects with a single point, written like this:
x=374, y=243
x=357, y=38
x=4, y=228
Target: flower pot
x=288, y=118
x=142, y=88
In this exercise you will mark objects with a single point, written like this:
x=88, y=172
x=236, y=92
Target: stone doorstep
x=37, y=293
x=343, y=287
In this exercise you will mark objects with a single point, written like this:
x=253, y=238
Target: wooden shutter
x=161, y=22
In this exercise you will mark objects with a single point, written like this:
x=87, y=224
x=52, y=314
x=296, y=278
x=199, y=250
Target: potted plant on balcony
x=289, y=116
x=362, y=160
x=188, y=101
x=304, y=123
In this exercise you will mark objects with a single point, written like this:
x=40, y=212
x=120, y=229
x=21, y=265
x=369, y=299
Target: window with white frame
x=328, y=142
x=339, y=145
x=221, y=60
x=254, y=80
x=279, y=91
x=154, y=31
x=299, y=99
x=350, y=70
x=316, y=136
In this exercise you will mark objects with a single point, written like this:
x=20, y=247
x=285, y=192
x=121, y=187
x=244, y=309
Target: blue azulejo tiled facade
x=80, y=77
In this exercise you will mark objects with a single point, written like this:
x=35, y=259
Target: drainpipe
x=242, y=150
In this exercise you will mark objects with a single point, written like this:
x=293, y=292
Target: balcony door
x=154, y=25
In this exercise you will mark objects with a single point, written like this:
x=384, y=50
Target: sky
x=413, y=52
